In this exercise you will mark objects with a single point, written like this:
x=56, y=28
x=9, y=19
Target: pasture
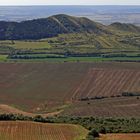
x=25, y=44
x=3, y=58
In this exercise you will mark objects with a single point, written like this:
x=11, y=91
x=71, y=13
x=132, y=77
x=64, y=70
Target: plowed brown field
x=38, y=131
x=108, y=82
x=108, y=107
x=39, y=87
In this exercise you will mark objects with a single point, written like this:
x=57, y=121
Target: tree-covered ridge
x=52, y=26
x=125, y=27
x=47, y=27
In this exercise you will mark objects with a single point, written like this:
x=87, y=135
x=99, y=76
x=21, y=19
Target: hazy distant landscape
x=103, y=14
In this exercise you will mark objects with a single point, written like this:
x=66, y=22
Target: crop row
x=107, y=83
x=35, y=131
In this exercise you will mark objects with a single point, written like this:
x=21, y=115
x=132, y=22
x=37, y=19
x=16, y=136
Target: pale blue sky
x=69, y=2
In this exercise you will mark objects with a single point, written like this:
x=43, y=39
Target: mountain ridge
x=55, y=25
x=125, y=27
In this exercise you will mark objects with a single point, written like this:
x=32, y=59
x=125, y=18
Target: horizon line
x=71, y=5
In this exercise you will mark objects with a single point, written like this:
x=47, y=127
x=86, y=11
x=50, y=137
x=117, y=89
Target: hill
x=125, y=27
x=65, y=36
x=38, y=131
x=58, y=24
x=49, y=27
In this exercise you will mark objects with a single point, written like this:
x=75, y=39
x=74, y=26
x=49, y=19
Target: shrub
x=102, y=130
x=94, y=133
x=90, y=137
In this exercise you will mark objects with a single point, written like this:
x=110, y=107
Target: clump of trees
x=14, y=117
x=95, y=133
x=92, y=134
x=130, y=94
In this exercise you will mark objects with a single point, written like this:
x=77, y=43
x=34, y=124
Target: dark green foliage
x=102, y=130
x=90, y=137
x=7, y=117
x=33, y=56
x=39, y=118
x=48, y=27
x=94, y=133
x=130, y=94
x=103, y=125
x=95, y=125
x=14, y=117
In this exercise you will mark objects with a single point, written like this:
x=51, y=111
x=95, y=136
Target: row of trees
x=35, y=56
x=95, y=125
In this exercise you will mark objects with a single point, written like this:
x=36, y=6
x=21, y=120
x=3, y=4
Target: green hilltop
x=57, y=24
x=62, y=36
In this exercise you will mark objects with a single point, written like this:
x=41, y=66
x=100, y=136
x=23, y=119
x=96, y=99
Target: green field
x=75, y=59
x=82, y=47
x=3, y=58
x=25, y=44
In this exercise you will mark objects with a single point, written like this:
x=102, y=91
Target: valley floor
x=49, y=88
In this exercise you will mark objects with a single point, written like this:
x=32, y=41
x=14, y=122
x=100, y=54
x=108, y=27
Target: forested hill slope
x=49, y=27
x=57, y=24
x=125, y=27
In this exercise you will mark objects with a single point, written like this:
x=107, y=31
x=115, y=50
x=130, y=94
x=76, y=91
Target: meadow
x=82, y=47
x=25, y=44
x=3, y=58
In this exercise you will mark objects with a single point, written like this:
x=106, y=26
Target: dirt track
x=9, y=109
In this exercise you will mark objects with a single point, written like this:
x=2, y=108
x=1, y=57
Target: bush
x=39, y=118
x=90, y=137
x=94, y=133
x=102, y=130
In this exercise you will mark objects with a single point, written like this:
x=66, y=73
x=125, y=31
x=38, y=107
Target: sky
x=69, y=2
